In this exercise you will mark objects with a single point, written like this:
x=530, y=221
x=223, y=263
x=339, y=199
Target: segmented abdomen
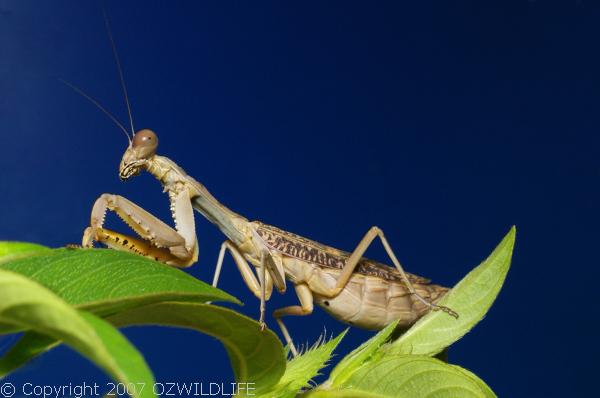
x=372, y=303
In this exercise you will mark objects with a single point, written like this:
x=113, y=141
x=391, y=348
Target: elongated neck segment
x=229, y=222
x=174, y=178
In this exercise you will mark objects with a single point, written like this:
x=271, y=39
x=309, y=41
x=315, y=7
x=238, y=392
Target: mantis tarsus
x=353, y=289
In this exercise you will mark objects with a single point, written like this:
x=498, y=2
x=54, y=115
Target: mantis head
x=143, y=144
x=140, y=150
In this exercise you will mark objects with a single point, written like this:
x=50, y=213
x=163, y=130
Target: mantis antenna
x=118, y=62
x=95, y=102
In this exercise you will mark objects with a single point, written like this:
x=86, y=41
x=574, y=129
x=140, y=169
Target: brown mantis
x=351, y=288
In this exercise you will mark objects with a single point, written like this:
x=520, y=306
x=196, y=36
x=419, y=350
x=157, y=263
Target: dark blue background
x=444, y=123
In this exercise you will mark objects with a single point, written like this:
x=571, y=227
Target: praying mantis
x=350, y=287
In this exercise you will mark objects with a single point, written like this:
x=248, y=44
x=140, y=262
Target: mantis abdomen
x=368, y=302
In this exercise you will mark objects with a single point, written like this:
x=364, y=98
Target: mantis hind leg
x=157, y=240
x=356, y=256
x=305, y=308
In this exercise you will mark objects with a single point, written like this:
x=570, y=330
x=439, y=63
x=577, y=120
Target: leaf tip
x=510, y=237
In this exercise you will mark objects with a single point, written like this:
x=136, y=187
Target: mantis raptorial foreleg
x=305, y=308
x=261, y=287
x=159, y=241
x=357, y=254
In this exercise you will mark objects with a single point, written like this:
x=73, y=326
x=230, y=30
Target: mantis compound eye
x=145, y=142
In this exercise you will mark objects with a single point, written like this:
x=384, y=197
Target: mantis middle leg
x=261, y=287
x=176, y=247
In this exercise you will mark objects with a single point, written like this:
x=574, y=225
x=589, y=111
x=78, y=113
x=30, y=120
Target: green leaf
x=28, y=305
x=301, y=369
x=130, y=363
x=256, y=356
x=484, y=387
x=14, y=250
x=470, y=298
x=351, y=362
x=106, y=281
x=408, y=376
x=114, y=283
x=28, y=347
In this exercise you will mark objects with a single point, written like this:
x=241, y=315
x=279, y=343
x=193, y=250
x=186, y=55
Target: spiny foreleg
x=176, y=247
